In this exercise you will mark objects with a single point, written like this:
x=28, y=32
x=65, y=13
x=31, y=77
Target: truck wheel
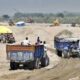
x=45, y=61
x=59, y=53
x=37, y=63
x=13, y=65
x=25, y=66
x=79, y=55
x=65, y=54
x=31, y=65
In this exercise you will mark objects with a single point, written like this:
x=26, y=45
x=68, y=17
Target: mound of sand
x=65, y=33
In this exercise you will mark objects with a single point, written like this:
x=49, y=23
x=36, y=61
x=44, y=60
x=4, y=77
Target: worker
x=45, y=46
x=41, y=43
x=25, y=42
x=38, y=41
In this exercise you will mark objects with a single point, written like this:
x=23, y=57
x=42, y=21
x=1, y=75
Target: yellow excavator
x=56, y=22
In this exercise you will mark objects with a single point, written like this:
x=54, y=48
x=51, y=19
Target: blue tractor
x=66, y=47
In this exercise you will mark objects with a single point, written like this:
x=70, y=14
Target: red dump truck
x=32, y=56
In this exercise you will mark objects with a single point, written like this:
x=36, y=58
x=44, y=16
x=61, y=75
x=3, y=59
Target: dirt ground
x=59, y=68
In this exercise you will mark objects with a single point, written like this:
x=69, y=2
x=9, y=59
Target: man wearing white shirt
x=25, y=42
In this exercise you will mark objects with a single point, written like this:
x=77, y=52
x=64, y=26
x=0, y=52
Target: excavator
x=56, y=22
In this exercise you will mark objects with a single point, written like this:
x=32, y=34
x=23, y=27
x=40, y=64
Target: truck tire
x=65, y=54
x=59, y=53
x=31, y=65
x=79, y=55
x=45, y=61
x=25, y=66
x=37, y=63
x=13, y=66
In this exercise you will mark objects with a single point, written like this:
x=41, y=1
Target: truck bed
x=36, y=50
x=10, y=48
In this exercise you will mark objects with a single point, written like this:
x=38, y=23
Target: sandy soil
x=59, y=68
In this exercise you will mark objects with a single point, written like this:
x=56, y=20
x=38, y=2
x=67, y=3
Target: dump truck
x=66, y=47
x=32, y=56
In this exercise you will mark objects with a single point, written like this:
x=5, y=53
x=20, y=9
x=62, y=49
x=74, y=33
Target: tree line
x=43, y=18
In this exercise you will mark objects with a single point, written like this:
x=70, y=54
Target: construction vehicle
x=11, y=23
x=32, y=56
x=73, y=24
x=6, y=35
x=7, y=38
x=29, y=20
x=56, y=22
x=66, y=47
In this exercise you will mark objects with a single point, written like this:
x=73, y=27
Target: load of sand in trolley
x=64, y=34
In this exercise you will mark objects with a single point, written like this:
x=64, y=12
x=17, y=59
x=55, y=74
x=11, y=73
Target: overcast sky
x=44, y=6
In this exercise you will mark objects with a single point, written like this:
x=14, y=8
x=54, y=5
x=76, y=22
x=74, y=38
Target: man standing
x=45, y=46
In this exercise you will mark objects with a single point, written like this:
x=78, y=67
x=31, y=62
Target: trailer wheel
x=65, y=54
x=31, y=65
x=45, y=61
x=13, y=66
x=79, y=55
x=59, y=53
x=37, y=63
x=25, y=66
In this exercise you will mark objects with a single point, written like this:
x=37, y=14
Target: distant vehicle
x=73, y=24
x=6, y=35
x=20, y=23
x=32, y=56
x=29, y=20
x=9, y=38
x=56, y=22
x=66, y=47
x=11, y=23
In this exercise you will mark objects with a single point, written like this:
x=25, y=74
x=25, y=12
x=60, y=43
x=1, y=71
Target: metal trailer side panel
x=60, y=44
x=14, y=50
x=18, y=48
x=22, y=56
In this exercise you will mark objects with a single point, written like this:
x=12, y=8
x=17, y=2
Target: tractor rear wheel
x=45, y=61
x=14, y=65
x=37, y=63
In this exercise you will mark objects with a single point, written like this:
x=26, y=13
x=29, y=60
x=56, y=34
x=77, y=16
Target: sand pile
x=64, y=34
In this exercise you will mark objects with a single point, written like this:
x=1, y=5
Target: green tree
x=5, y=17
x=60, y=15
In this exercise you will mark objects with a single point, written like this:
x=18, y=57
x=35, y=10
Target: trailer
x=32, y=56
x=66, y=47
